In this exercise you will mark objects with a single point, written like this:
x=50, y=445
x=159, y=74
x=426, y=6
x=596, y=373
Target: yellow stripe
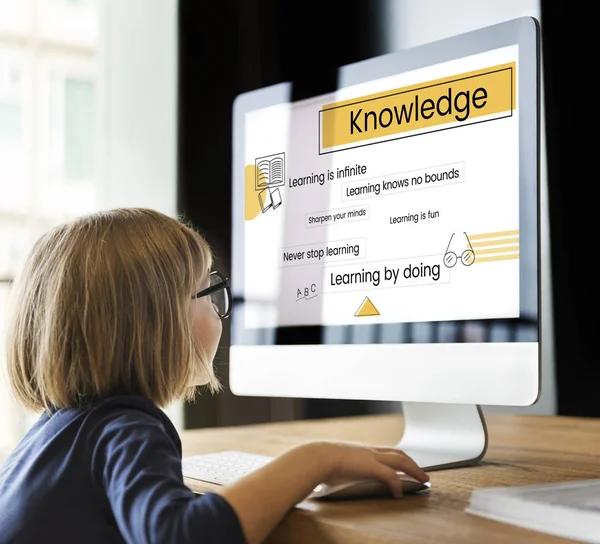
x=498, y=258
x=498, y=250
x=493, y=234
x=496, y=242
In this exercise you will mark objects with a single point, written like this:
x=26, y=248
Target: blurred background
x=107, y=103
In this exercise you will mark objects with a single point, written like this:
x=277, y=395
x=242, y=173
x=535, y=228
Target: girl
x=112, y=323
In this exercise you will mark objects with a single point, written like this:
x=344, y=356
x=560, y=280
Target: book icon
x=270, y=171
x=270, y=175
x=269, y=199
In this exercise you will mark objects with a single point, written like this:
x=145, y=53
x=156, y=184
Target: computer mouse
x=366, y=489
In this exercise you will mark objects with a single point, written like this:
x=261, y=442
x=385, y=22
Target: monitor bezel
x=286, y=362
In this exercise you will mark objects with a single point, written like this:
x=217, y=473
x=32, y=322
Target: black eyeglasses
x=220, y=294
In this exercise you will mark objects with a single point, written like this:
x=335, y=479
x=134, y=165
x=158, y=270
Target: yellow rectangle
x=508, y=257
x=495, y=242
x=459, y=98
x=497, y=234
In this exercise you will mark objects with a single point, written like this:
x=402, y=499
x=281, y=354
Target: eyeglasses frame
x=223, y=284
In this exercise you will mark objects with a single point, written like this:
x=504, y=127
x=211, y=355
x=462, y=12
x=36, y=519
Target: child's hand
x=349, y=461
x=262, y=497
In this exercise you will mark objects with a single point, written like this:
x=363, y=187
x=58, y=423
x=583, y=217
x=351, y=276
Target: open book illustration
x=566, y=509
x=270, y=174
x=270, y=171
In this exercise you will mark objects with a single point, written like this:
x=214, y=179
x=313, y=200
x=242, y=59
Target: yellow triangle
x=367, y=308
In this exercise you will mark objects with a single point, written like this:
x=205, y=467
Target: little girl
x=112, y=322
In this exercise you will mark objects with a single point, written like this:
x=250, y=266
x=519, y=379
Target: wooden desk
x=522, y=450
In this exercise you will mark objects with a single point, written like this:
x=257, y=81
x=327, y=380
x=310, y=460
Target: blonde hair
x=101, y=308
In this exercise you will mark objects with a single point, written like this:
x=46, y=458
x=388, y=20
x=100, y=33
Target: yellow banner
x=459, y=98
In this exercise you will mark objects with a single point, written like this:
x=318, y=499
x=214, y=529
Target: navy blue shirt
x=109, y=472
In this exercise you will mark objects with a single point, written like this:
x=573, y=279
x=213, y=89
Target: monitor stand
x=439, y=435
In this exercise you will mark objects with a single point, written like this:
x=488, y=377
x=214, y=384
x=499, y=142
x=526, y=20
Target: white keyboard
x=223, y=467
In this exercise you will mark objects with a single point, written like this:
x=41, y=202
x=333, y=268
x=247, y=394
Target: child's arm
x=262, y=498
x=137, y=467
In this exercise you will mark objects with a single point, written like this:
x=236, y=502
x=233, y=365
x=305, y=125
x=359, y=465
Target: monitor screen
x=392, y=224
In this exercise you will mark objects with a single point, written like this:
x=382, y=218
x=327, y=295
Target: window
x=74, y=134
x=48, y=142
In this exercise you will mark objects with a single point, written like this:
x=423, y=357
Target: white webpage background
x=487, y=200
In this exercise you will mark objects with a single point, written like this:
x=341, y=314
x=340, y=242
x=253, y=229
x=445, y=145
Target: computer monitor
x=386, y=238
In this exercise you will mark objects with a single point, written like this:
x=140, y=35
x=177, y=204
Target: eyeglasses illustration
x=467, y=257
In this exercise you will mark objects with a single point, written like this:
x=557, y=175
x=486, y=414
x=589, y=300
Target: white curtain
x=87, y=121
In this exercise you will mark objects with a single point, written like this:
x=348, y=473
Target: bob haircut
x=101, y=309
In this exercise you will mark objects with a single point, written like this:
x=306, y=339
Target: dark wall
x=234, y=46
x=572, y=210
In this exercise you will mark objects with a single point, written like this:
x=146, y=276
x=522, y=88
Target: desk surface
x=522, y=450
